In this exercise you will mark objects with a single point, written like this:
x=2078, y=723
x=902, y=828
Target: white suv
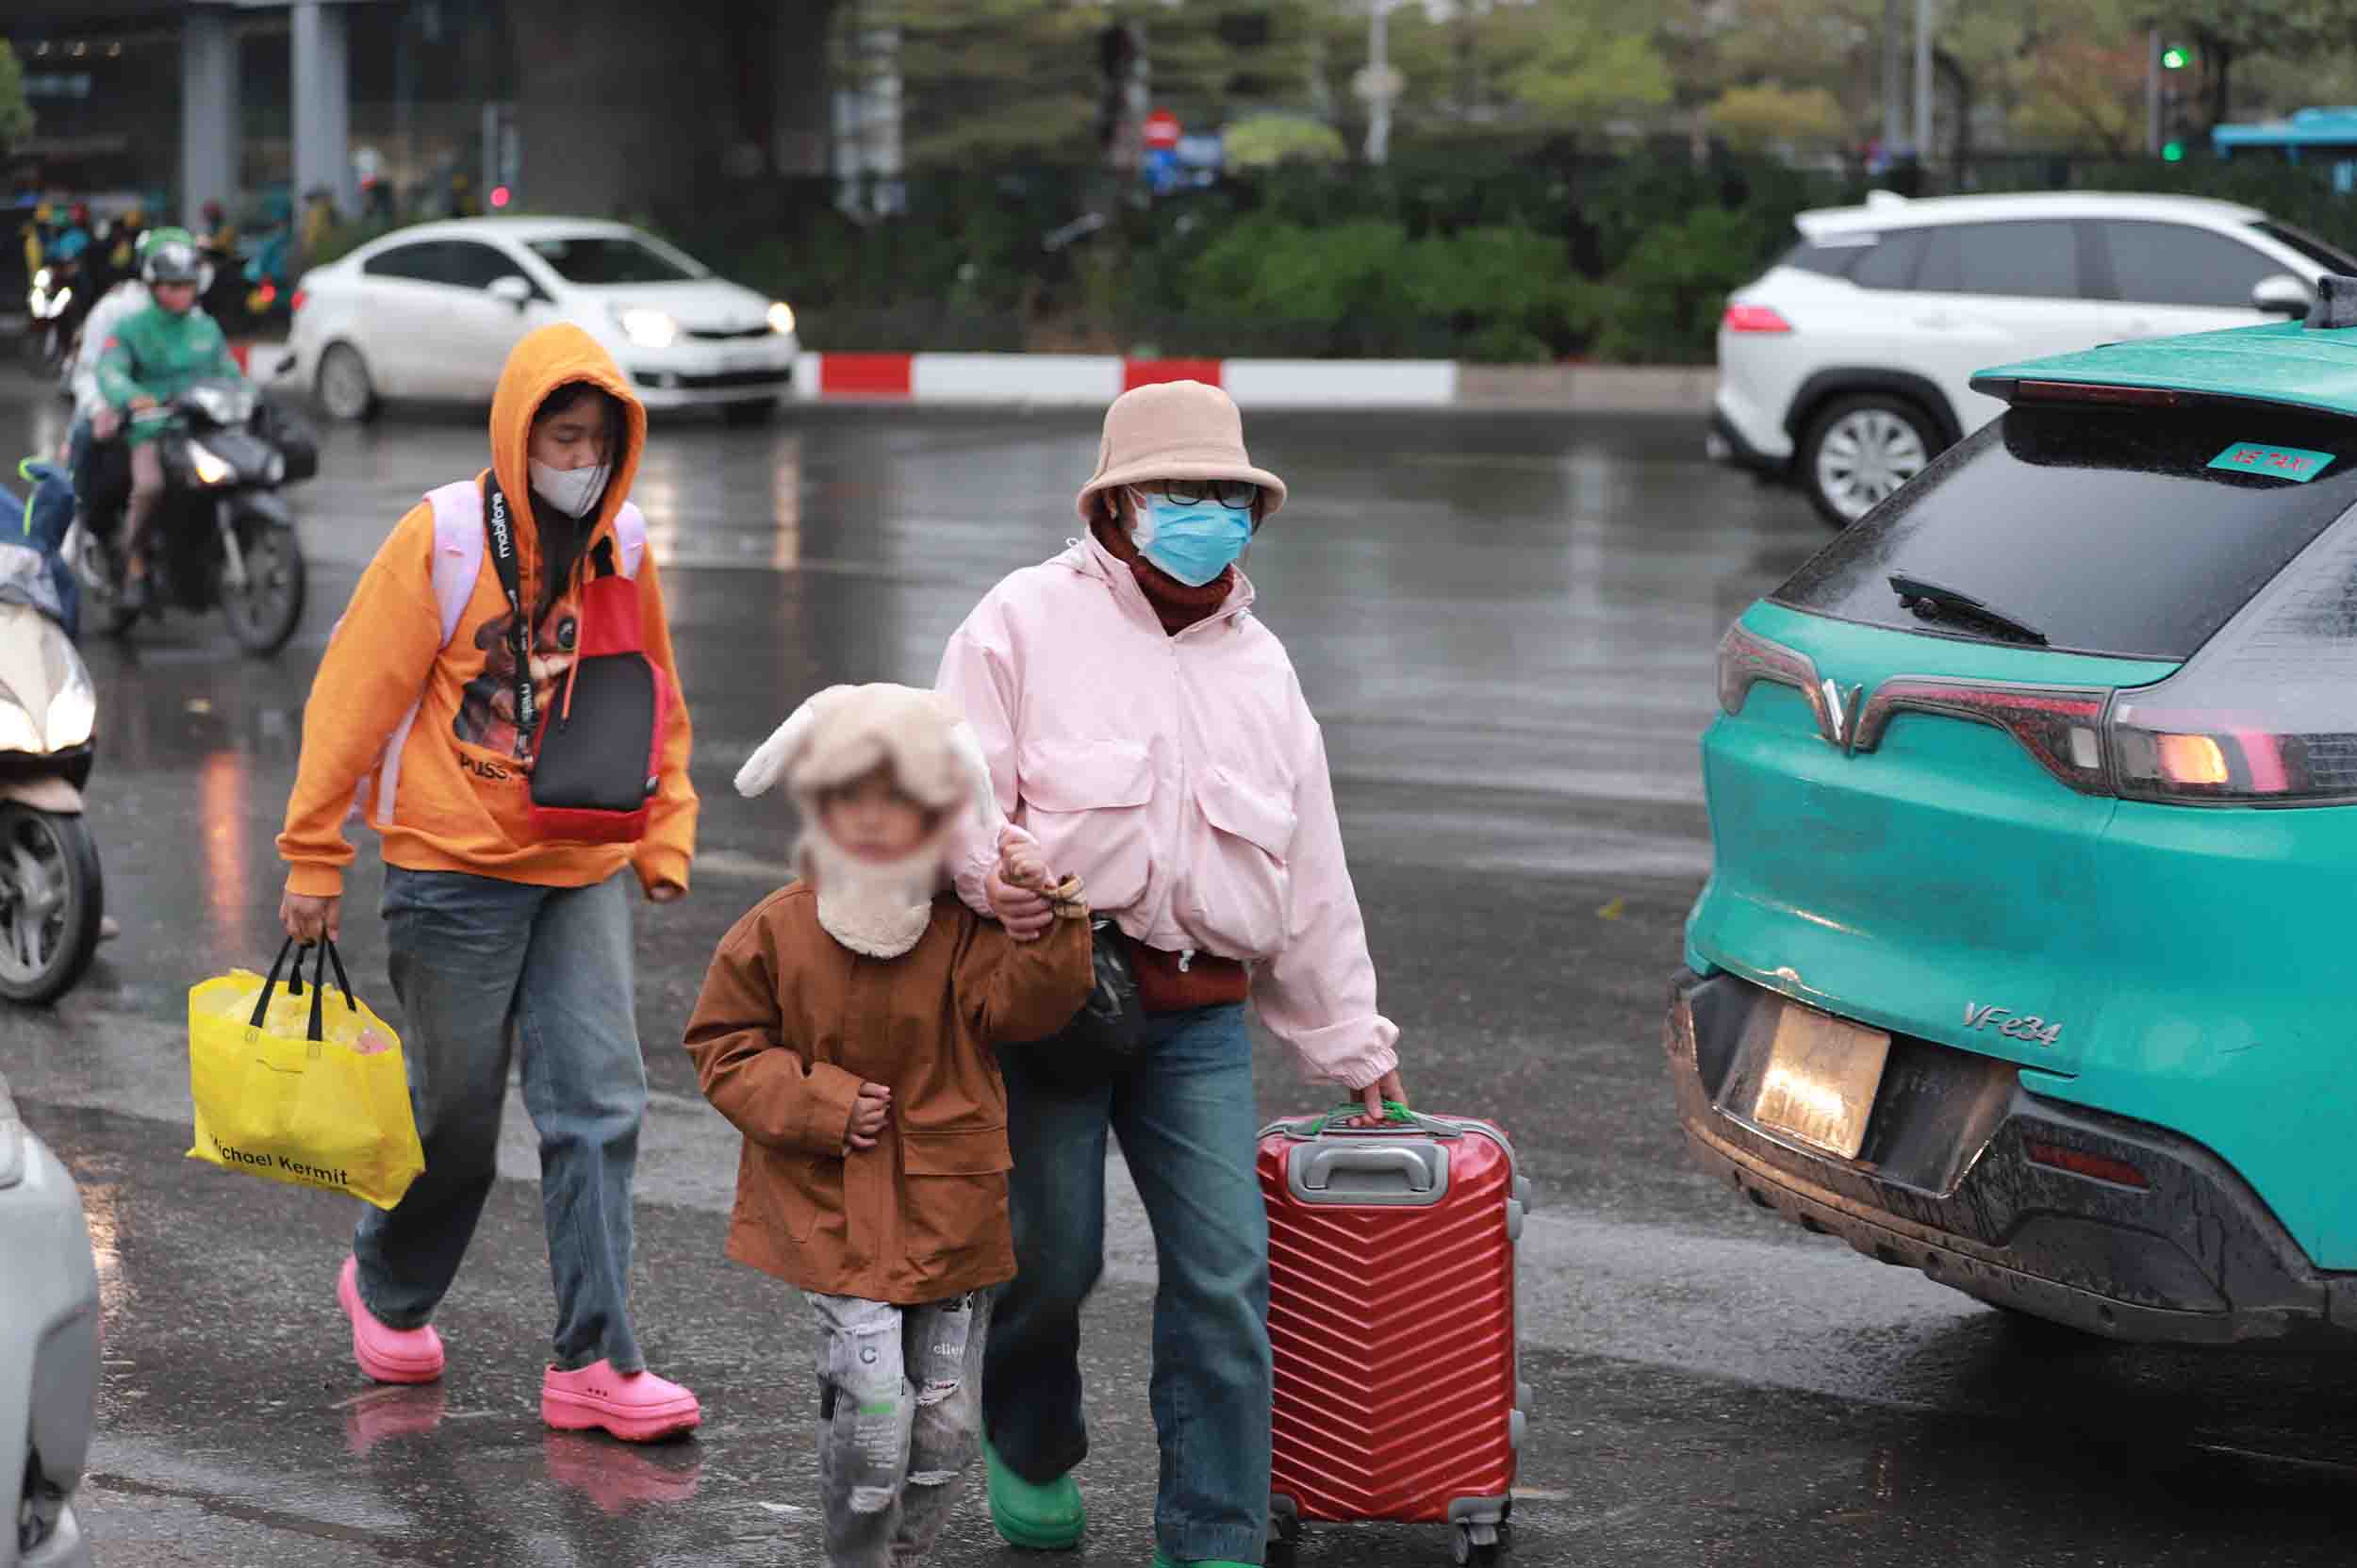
x=1845, y=368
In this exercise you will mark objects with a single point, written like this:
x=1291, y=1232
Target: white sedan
x=430, y=312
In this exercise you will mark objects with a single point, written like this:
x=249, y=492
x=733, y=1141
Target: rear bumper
x=1726, y=443
x=2195, y=1256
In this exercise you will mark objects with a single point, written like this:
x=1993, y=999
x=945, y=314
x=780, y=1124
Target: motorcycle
x=53, y=308
x=52, y=894
x=222, y=535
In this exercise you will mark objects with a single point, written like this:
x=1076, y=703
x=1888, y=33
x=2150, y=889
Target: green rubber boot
x=1162, y=1560
x=1039, y=1518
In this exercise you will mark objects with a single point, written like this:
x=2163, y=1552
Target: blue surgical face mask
x=1193, y=544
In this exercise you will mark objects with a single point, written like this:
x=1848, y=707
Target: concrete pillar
x=208, y=112
x=323, y=126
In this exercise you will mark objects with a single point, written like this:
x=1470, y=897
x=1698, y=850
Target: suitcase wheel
x=1476, y=1544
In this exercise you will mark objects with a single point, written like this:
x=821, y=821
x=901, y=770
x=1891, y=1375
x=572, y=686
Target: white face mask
x=571, y=491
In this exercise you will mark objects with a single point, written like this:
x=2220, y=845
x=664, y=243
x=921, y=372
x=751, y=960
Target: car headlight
x=73, y=713
x=781, y=318
x=16, y=729
x=211, y=469
x=43, y=278
x=648, y=329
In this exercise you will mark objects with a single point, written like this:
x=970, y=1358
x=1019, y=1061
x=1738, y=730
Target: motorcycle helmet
x=171, y=256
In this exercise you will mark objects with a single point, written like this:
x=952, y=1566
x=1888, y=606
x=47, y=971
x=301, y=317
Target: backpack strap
x=458, y=549
x=630, y=527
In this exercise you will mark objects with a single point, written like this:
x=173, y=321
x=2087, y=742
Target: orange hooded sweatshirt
x=463, y=799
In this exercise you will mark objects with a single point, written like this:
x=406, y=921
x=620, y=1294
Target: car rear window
x=2104, y=529
x=1832, y=260
x=2325, y=254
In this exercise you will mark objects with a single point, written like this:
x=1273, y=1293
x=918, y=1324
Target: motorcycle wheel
x=52, y=897
x=265, y=612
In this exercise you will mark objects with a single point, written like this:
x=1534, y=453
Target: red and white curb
x=1088, y=380
x=1093, y=380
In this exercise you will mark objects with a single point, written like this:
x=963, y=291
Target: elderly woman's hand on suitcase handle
x=1387, y=1087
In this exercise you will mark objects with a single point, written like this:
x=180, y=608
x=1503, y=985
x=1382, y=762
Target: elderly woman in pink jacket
x=1149, y=732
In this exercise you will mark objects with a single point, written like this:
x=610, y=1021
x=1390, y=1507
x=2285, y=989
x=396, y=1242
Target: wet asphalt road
x=1506, y=626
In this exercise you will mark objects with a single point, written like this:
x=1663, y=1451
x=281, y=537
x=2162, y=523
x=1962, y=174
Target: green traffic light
x=2174, y=59
x=2173, y=152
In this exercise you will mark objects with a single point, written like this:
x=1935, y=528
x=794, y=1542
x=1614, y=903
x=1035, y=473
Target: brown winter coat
x=791, y=1022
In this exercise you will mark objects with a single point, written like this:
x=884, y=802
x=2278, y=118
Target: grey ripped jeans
x=899, y=1420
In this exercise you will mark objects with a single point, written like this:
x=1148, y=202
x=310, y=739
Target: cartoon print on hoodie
x=487, y=704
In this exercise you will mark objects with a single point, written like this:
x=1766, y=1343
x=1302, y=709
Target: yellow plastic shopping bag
x=300, y=1089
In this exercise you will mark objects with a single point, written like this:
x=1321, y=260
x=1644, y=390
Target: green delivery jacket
x=161, y=354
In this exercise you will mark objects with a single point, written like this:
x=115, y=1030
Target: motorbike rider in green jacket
x=151, y=358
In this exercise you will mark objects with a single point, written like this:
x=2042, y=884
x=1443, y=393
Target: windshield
x=2108, y=530
x=613, y=259
x=2330, y=257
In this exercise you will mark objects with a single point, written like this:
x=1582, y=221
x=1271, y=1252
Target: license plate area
x=1815, y=1083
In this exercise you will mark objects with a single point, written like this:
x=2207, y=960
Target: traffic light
x=2176, y=57
x=2172, y=152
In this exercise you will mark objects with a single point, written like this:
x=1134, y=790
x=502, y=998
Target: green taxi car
x=2027, y=957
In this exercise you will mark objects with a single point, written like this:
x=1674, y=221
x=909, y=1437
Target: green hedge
x=1500, y=254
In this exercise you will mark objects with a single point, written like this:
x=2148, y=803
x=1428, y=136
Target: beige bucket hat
x=1175, y=430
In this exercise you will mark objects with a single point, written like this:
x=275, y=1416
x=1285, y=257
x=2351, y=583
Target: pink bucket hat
x=1175, y=430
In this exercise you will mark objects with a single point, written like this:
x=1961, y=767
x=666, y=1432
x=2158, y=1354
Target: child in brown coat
x=848, y=1028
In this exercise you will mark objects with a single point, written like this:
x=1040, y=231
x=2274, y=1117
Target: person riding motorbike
x=37, y=239
x=93, y=420
x=145, y=363
x=220, y=234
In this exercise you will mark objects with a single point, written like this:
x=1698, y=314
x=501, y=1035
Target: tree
x=1771, y=115
x=1261, y=141
x=16, y=114
x=995, y=81
x=1544, y=64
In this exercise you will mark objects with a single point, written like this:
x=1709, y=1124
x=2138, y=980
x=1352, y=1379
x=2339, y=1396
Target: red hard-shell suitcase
x=1392, y=1314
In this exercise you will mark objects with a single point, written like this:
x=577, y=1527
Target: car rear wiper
x=1930, y=600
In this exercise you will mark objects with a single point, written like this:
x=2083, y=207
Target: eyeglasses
x=1234, y=494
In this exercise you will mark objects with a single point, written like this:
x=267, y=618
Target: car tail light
x=2081, y=1161
x=268, y=294
x=302, y=298
x=2061, y=727
x=2077, y=391
x=2265, y=714
x=1754, y=318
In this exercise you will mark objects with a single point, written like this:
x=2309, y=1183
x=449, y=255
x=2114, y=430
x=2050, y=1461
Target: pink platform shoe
x=639, y=1408
x=387, y=1355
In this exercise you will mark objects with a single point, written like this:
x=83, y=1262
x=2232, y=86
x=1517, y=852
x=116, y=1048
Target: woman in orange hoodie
x=499, y=931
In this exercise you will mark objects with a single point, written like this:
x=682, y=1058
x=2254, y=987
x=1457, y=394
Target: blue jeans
x=480, y=964
x=1185, y=1117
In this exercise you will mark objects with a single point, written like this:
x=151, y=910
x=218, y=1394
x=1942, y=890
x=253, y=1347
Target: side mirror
x=517, y=292
x=2283, y=295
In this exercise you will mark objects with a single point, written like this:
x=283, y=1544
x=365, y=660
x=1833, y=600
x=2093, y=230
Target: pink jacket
x=1184, y=778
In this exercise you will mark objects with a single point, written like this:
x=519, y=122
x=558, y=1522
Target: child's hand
x=1020, y=864
x=868, y=1115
